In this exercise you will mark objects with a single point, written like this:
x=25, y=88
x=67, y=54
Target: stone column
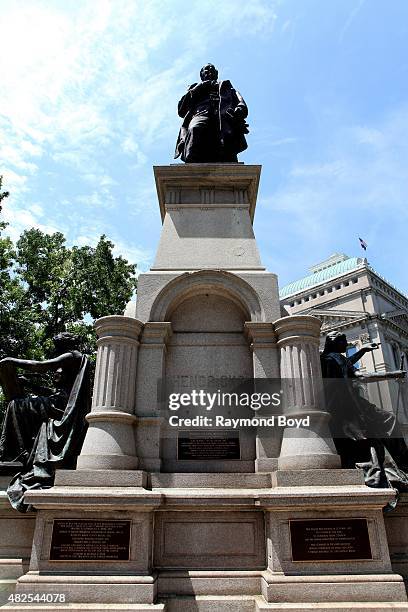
x=150, y=373
x=110, y=440
x=311, y=446
x=265, y=356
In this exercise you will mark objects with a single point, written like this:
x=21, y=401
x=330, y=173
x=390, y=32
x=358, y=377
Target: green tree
x=47, y=287
x=3, y=194
x=14, y=323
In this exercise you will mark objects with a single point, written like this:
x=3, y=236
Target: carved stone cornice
x=260, y=335
x=156, y=333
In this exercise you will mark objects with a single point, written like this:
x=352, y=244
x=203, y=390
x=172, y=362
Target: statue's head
x=65, y=342
x=336, y=342
x=209, y=73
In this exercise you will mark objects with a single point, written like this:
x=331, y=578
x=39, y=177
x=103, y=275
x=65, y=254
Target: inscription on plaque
x=205, y=446
x=90, y=540
x=330, y=540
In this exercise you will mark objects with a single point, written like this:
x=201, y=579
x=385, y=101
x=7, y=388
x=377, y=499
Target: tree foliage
x=47, y=287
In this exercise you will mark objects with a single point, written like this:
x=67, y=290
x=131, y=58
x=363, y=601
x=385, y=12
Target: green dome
x=318, y=278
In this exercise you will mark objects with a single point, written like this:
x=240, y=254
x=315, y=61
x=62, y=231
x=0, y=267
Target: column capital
x=298, y=328
x=156, y=333
x=118, y=326
x=260, y=334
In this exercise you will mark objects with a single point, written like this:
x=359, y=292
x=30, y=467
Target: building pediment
x=334, y=319
x=397, y=317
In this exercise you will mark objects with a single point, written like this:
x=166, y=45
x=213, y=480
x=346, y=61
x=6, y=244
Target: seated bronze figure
x=44, y=428
x=362, y=431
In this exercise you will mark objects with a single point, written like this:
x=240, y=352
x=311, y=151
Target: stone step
x=211, y=603
x=83, y=607
x=230, y=480
x=7, y=587
x=339, y=606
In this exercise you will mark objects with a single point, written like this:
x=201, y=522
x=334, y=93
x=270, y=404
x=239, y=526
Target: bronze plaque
x=330, y=540
x=207, y=446
x=90, y=540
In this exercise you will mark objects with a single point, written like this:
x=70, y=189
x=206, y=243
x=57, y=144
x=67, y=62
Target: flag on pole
x=363, y=244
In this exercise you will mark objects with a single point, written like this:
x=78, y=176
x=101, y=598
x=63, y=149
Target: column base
x=109, y=442
x=268, y=464
x=107, y=462
x=309, y=462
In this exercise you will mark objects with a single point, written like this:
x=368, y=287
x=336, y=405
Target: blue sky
x=88, y=105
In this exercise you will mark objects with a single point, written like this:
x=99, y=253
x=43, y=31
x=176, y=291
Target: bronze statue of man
x=213, y=128
x=44, y=428
x=361, y=430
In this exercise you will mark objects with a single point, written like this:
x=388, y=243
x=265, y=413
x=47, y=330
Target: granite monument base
x=151, y=521
x=213, y=542
x=16, y=535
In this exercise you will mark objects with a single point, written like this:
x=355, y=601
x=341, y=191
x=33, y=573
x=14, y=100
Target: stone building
x=347, y=294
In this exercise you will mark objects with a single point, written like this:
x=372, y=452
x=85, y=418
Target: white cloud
x=103, y=180
x=131, y=147
x=20, y=220
x=89, y=89
x=355, y=186
x=91, y=241
x=282, y=141
x=324, y=170
x=67, y=69
x=97, y=199
x=133, y=254
x=351, y=17
x=14, y=182
x=37, y=210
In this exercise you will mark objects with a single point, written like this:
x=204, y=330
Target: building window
x=346, y=284
x=338, y=287
x=355, y=280
x=397, y=356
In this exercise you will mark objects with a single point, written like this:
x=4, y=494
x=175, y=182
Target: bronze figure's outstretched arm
x=31, y=365
x=13, y=385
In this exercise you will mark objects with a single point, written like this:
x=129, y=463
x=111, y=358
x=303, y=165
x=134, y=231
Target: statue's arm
x=241, y=107
x=365, y=349
x=372, y=376
x=379, y=376
x=184, y=104
x=38, y=366
x=357, y=356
